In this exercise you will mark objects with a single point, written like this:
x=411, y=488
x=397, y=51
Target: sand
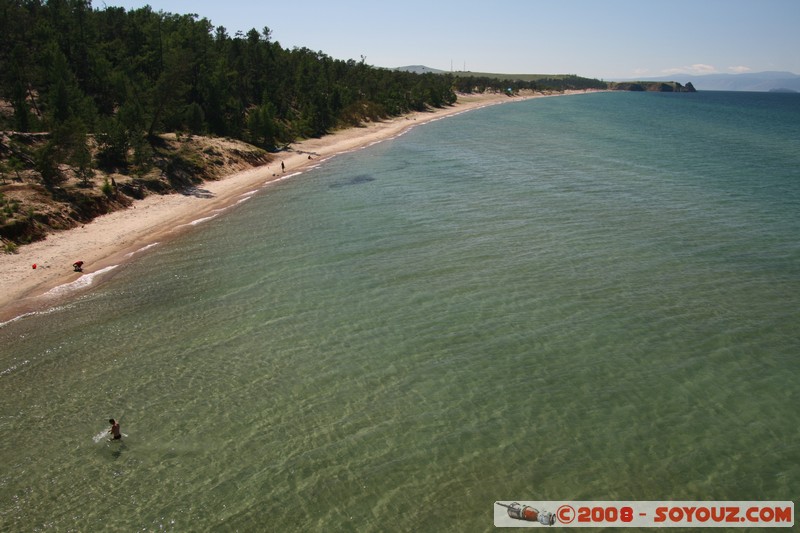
x=114, y=238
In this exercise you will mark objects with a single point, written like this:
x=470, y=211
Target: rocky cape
x=652, y=86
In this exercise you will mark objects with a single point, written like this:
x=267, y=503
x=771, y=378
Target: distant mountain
x=751, y=81
x=419, y=69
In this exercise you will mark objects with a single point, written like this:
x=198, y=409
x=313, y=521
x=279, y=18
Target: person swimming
x=116, y=434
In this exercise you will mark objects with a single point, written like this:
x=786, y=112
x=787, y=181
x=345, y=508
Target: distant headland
x=652, y=86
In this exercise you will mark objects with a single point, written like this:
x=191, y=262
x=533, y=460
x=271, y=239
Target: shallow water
x=590, y=297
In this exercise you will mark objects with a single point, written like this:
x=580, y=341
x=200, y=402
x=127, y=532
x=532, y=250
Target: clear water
x=592, y=297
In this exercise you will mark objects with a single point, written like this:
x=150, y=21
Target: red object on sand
x=34, y=265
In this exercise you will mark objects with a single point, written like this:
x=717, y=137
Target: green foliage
x=70, y=139
x=8, y=209
x=479, y=83
x=113, y=142
x=195, y=118
x=82, y=161
x=142, y=156
x=15, y=165
x=46, y=164
x=262, y=125
x=107, y=188
x=131, y=74
x=9, y=247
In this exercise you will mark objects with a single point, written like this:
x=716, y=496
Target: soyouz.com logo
x=644, y=514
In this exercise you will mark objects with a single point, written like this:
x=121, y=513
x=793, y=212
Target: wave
x=287, y=176
x=246, y=196
x=34, y=313
x=13, y=368
x=201, y=220
x=80, y=283
x=142, y=249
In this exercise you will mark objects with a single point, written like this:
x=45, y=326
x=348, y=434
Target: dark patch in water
x=355, y=180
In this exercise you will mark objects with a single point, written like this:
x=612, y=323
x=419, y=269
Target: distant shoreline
x=115, y=238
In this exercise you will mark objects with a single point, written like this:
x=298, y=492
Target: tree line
x=124, y=76
x=471, y=83
x=127, y=75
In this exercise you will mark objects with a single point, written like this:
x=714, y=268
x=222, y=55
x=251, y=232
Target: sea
x=589, y=297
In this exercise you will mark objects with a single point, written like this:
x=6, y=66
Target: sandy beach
x=114, y=238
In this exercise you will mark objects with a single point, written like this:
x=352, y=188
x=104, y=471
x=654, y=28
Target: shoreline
x=115, y=238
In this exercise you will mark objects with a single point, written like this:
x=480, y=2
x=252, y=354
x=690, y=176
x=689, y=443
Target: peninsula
x=652, y=86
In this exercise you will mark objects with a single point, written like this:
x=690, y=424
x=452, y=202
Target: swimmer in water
x=114, y=431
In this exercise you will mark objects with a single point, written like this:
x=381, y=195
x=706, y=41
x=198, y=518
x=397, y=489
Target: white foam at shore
x=246, y=196
x=18, y=317
x=201, y=220
x=131, y=254
x=287, y=176
x=33, y=313
x=80, y=283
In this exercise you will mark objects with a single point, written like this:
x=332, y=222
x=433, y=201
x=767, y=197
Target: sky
x=605, y=39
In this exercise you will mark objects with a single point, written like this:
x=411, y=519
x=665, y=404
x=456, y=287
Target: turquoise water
x=592, y=298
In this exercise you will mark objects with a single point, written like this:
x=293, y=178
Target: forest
x=86, y=89
x=127, y=75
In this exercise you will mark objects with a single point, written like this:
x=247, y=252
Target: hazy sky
x=605, y=39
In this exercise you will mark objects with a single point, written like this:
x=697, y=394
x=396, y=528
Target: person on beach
x=283, y=168
x=114, y=431
x=78, y=266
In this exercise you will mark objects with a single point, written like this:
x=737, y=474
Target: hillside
x=29, y=210
x=419, y=69
x=467, y=81
x=517, y=77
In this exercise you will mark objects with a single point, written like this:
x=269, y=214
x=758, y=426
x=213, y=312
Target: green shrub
x=9, y=247
x=107, y=189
